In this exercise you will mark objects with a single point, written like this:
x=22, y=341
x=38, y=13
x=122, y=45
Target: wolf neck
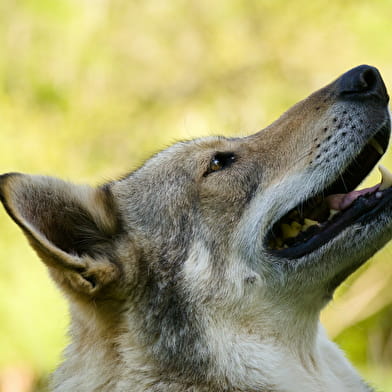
x=91, y=360
x=253, y=364
x=104, y=359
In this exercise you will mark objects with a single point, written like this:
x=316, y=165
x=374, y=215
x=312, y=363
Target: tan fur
x=170, y=283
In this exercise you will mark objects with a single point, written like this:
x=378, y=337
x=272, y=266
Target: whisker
x=303, y=156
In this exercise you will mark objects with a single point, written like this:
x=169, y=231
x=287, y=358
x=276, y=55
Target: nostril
x=363, y=81
x=368, y=79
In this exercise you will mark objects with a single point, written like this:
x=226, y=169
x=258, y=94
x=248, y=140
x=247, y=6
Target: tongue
x=342, y=201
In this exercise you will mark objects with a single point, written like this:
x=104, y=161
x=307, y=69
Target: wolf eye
x=220, y=161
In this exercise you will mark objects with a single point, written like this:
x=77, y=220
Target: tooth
x=286, y=230
x=386, y=181
x=376, y=145
x=289, y=231
x=332, y=212
x=296, y=226
x=308, y=223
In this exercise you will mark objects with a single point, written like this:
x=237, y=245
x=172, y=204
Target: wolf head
x=217, y=238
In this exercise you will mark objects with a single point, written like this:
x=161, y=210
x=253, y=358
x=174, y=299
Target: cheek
x=225, y=195
x=222, y=204
x=230, y=186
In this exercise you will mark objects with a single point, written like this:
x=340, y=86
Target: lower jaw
x=363, y=210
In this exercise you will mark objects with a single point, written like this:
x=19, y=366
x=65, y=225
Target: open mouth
x=322, y=217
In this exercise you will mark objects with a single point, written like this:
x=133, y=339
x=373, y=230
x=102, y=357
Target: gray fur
x=170, y=284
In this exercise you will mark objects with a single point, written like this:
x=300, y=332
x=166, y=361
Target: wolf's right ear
x=71, y=227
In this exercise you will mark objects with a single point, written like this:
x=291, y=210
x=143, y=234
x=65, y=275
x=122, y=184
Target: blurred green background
x=90, y=88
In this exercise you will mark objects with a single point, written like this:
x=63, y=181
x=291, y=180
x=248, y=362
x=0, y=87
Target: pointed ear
x=71, y=227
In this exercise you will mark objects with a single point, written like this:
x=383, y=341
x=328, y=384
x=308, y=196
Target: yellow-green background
x=90, y=88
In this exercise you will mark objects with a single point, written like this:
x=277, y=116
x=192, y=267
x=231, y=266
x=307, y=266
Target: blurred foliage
x=90, y=88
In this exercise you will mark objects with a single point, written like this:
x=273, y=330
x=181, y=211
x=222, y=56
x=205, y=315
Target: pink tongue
x=341, y=201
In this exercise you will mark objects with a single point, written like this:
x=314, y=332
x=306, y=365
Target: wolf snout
x=363, y=82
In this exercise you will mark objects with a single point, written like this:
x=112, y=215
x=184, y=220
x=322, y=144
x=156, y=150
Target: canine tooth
x=386, y=181
x=308, y=223
x=376, y=145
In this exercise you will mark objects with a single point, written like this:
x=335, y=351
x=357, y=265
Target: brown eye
x=220, y=161
x=216, y=164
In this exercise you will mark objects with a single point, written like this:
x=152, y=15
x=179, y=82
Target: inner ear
x=78, y=225
x=72, y=227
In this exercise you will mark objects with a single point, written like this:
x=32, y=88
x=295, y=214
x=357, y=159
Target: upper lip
x=358, y=168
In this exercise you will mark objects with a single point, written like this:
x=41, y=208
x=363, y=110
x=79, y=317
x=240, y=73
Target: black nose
x=363, y=82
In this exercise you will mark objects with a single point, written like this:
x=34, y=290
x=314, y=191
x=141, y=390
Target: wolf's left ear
x=71, y=227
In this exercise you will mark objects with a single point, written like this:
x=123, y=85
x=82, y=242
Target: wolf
x=206, y=268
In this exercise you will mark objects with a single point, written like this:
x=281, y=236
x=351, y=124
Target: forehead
x=185, y=154
x=202, y=146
